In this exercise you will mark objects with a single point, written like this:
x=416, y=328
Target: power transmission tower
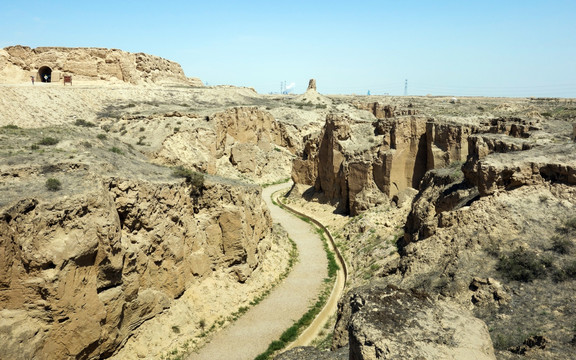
x=406, y=87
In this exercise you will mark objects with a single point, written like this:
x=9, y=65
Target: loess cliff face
x=240, y=142
x=81, y=272
x=360, y=164
x=18, y=63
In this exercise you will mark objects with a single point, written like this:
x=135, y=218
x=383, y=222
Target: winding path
x=251, y=334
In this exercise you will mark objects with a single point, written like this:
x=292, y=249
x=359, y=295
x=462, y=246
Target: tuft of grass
x=522, y=265
x=101, y=136
x=84, y=123
x=53, y=184
x=570, y=224
x=176, y=329
x=562, y=244
x=11, y=127
x=116, y=150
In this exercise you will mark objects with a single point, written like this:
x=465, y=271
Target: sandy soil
x=252, y=333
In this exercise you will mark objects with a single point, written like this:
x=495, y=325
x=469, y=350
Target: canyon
x=456, y=219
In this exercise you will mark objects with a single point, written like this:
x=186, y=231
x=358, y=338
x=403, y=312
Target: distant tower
x=406, y=87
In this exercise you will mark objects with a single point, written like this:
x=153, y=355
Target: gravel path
x=251, y=334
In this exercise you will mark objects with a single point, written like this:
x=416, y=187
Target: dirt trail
x=251, y=334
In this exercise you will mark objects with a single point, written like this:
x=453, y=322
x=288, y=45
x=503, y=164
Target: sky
x=457, y=48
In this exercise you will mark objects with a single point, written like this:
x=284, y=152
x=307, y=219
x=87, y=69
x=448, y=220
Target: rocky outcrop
x=360, y=164
x=18, y=63
x=247, y=125
x=79, y=273
x=507, y=170
x=243, y=140
x=385, y=322
x=311, y=85
x=381, y=111
x=358, y=169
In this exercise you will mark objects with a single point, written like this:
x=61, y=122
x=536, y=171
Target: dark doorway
x=45, y=74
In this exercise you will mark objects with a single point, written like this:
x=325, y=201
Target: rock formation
x=384, y=322
x=381, y=111
x=312, y=96
x=18, y=63
x=356, y=163
x=241, y=139
x=80, y=273
x=355, y=167
x=311, y=85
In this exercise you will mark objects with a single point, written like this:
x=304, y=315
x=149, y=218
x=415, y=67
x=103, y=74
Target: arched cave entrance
x=45, y=74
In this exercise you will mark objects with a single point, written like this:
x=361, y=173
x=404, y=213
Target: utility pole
x=406, y=87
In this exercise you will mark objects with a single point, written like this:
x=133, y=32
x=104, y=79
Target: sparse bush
x=176, y=129
x=82, y=122
x=48, y=141
x=34, y=147
x=175, y=329
x=568, y=271
x=562, y=244
x=116, y=150
x=504, y=341
x=142, y=129
x=570, y=224
x=101, y=136
x=522, y=265
x=571, y=269
x=181, y=171
x=141, y=140
x=86, y=144
x=53, y=184
x=11, y=127
x=193, y=177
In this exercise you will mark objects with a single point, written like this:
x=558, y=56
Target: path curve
x=329, y=309
x=251, y=334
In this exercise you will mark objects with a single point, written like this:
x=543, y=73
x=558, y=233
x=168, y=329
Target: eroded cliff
x=18, y=63
x=359, y=164
x=82, y=270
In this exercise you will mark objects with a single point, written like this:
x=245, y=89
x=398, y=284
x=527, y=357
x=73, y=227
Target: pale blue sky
x=489, y=48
